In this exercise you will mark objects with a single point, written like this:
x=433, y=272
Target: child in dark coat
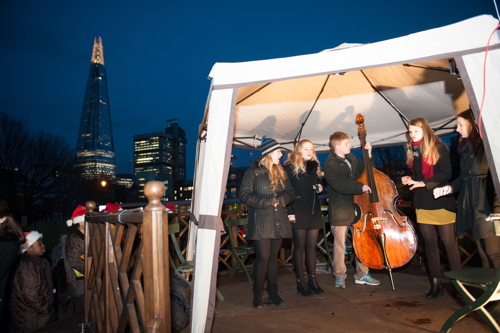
x=32, y=295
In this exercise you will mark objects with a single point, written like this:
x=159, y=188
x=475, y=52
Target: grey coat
x=342, y=186
x=264, y=221
x=477, y=198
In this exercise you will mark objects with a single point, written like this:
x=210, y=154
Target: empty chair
x=487, y=279
x=240, y=252
x=185, y=268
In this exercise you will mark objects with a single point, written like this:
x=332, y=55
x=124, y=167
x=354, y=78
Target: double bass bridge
x=375, y=220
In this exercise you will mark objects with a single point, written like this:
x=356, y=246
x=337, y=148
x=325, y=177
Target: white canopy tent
x=433, y=74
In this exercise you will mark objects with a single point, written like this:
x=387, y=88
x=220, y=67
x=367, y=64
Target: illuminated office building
x=160, y=156
x=95, y=152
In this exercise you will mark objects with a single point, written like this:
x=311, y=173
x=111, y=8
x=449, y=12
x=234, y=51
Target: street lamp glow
x=103, y=183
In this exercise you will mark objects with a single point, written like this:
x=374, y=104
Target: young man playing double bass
x=342, y=169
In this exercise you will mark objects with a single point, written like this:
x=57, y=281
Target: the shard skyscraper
x=95, y=152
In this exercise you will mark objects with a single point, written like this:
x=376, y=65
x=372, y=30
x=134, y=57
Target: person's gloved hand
x=282, y=201
x=441, y=191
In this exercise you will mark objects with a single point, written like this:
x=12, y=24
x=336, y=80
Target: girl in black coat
x=477, y=198
x=266, y=190
x=302, y=168
x=429, y=159
x=11, y=237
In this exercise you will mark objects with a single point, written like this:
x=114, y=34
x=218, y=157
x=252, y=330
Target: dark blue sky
x=158, y=53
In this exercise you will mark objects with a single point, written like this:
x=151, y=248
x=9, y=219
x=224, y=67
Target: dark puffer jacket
x=74, y=249
x=32, y=295
x=306, y=206
x=264, y=221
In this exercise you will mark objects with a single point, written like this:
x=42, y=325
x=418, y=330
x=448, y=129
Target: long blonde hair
x=276, y=172
x=298, y=162
x=428, y=144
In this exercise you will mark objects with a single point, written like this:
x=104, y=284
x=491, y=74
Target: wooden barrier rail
x=127, y=268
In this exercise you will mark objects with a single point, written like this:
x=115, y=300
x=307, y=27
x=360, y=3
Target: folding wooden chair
x=185, y=268
x=487, y=279
x=240, y=252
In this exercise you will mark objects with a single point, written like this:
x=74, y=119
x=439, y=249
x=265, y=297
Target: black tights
x=266, y=261
x=304, y=239
x=447, y=234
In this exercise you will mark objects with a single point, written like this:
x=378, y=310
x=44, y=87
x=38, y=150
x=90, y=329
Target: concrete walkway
x=357, y=308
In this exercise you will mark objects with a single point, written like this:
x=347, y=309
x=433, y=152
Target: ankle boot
x=302, y=288
x=272, y=290
x=313, y=285
x=436, y=289
x=258, y=290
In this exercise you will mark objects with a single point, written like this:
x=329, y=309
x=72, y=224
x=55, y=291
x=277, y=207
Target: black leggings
x=447, y=234
x=304, y=239
x=266, y=261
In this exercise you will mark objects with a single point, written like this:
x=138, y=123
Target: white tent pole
x=471, y=69
x=209, y=193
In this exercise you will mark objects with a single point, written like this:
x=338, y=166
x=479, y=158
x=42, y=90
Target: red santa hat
x=31, y=238
x=78, y=216
x=110, y=207
x=170, y=208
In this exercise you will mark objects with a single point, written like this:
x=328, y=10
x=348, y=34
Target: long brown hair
x=9, y=226
x=297, y=161
x=276, y=172
x=428, y=144
x=473, y=135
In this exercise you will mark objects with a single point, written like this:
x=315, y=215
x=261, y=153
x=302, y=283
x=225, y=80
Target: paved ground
x=357, y=308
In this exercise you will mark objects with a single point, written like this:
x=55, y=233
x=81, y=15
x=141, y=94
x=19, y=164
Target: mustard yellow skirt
x=436, y=217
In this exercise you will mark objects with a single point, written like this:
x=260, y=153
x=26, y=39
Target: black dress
x=306, y=206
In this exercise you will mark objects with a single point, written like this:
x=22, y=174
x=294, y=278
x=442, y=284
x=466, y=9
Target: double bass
x=382, y=238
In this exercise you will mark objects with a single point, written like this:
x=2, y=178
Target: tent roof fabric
x=389, y=82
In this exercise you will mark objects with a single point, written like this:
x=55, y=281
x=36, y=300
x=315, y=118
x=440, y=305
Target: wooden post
x=155, y=252
x=90, y=205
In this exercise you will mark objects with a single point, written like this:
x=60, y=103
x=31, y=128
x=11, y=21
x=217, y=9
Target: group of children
x=27, y=292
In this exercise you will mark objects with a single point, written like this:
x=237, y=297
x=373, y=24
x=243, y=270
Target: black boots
x=313, y=285
x=272, y=290
x=436, y=289
x=257, y=295
x=303, y=288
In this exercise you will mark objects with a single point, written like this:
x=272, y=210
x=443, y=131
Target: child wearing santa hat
x=74, y=263
x=32, y=294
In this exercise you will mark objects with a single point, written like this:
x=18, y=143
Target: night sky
x=158, y=54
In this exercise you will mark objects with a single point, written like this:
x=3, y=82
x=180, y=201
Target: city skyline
x=159, y=54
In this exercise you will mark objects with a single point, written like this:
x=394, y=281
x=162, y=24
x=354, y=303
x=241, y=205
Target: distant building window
x=57, y=217
x=58, y=202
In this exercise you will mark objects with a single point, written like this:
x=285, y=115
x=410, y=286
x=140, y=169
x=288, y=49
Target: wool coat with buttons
x=265, y=221
x=477, y=198
x=306, y=206
x=343, y=184
x=423, y=198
